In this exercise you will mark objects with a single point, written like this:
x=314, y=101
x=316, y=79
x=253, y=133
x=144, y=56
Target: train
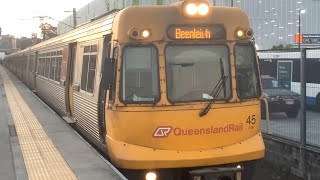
x=170, y=91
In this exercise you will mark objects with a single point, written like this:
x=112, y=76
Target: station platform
x=36, y=143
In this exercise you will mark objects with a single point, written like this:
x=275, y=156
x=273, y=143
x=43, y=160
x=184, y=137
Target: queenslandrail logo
x=164, y=131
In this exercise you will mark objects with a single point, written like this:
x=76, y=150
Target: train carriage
x=164, y=89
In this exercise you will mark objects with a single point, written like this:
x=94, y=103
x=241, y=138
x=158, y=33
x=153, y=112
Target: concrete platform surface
x=36, y=143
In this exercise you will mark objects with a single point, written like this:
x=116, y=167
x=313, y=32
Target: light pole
x=301, y=11
x=74, y=13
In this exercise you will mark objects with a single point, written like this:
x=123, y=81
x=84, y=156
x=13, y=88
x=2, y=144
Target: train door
x=70, y=78
x=34, y=72
x=86, y=83
x=30, y=70
x=102, y=97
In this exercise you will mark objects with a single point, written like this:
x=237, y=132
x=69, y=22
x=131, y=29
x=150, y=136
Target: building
x=277, y=21
x=274, y=22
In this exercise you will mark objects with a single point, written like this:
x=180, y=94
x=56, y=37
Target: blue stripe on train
x=311, y=101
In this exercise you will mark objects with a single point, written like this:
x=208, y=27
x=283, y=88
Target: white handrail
x=267, y=115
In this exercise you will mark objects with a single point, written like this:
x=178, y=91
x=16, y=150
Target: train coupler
x=217, y=173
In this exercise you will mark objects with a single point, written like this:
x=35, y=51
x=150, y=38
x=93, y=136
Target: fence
x=294, y=105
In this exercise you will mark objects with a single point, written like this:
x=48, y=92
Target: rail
x=267, y=115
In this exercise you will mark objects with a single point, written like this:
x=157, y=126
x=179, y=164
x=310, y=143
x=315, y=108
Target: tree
x=280, y=46
x=48, y=31
x=24, y=42
x=288, y=46
x=6, y=42
x=277, y=47
x=274, y=48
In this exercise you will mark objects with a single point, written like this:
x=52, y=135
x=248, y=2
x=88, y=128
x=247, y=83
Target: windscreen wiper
x=216, y=90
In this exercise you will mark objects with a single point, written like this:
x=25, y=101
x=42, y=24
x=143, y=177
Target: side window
x=47, y=65
x=38, y=64
x=52, y=66
x=140, y=76
x=43, y=65
x=58, y=66
x=246, y=72
x=89, y=68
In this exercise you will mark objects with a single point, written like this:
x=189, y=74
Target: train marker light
x=203, y=9
x=151, y=176
x=249, y=33
x=191, y=9
x=133, y=33
x=146, y=33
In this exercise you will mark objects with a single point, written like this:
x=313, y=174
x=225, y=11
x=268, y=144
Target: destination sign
x=196, y=33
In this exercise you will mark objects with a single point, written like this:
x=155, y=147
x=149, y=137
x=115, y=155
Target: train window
x=86, y=49
x=31, y=61
x=88, y=68
x=94, y=48
x=42, y=66
x=194, y=71
x=48, y=63
x=248, y=85
x=58, y=69
x=140, y=75
x=84, y=76
x=52, y=68
x=38, y=65
x=91, y=73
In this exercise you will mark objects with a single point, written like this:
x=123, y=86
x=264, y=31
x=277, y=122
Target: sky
x=17, y=17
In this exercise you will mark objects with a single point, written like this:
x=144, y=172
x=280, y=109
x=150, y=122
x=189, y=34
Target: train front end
x=185, y=89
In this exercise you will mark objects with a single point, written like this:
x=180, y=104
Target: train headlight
x=240, y=33
x=244, y=34
x=191, y=9
x=146, y=33
x=138, y=34
x=151, y=176
x=203, y=9
x=195, y=8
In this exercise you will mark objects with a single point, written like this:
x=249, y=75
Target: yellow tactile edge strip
x=41, y=157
